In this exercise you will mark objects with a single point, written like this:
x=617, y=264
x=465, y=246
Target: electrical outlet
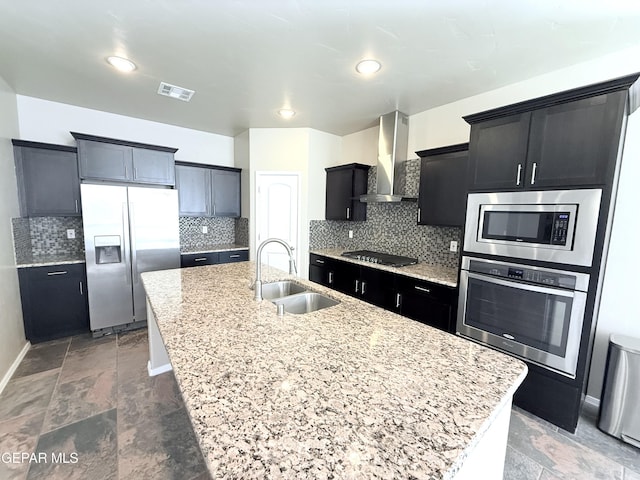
x=350, y=233
x=205, y=229
x=71, y=233
x=453, y=246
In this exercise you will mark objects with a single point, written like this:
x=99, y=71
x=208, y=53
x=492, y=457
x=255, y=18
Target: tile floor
x=93, y=398
x=90, y=403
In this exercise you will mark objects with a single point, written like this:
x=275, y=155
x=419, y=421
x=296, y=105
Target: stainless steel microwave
x=553, y=226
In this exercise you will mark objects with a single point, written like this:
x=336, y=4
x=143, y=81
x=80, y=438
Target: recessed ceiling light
x=286, y=113
x=368, y=66
x=121, y=64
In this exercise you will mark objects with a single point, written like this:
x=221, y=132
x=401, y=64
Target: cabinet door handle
x=234, y=256
x=135, y=172
x=398, y=298
x=533, y=173
x=61, y=272
x=77, y=206
x=519, y=172
x=81, y=290
x=214, y=209
x=330, y=278
x=357, y=285
x=419, y=214
x=201, y=259
x=422, y=289
x=363, y=287
x=126, y=172
x=348, y=212
x=319, y=261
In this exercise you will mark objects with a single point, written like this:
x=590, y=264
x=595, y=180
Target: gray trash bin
x=620, y=401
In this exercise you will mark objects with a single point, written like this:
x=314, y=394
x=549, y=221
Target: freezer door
x=106, y=238
x=155, y=237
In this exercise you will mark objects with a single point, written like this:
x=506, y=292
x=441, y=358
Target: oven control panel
x=520, y=273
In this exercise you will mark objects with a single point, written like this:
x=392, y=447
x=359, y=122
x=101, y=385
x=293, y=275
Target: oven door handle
x=523, y=286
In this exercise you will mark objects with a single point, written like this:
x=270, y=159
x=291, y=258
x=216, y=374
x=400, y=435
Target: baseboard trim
x=158, y=370
x=14, y=366
x=592, y=401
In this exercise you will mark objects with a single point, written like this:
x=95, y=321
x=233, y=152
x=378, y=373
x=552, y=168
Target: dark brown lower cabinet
x=426, y=302
x=213, y=258
x=54, y=301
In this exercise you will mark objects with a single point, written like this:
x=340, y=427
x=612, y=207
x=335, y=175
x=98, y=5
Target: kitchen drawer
x=198, y=259
x=233, y=256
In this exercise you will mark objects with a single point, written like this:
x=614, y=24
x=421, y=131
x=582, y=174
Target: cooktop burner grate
x=380, y=258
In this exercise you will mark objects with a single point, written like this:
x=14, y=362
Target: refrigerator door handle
x=132, y=242
x=125, y=246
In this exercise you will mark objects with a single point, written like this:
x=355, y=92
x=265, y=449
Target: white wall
x=360, y=147
x=45, y=121
x=12, y=339
x=280, y=150
x=324, y=151
x=301, y=150
x=444, y=125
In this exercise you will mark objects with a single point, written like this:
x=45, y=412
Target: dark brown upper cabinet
x=345, y=184
x=208, y=191
x=442, y=197
x=566, y=140
x=47, y=176
x=116, y=160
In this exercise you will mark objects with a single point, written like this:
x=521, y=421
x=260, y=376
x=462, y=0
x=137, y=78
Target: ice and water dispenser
x=108, y=248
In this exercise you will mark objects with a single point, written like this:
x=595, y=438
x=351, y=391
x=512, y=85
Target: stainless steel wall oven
x=532, y=312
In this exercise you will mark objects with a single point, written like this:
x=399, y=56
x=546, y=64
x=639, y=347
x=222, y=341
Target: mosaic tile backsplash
x=41, y=236
x=45, y=236
x=391, y=228
x=242, y=231
x=219, y=230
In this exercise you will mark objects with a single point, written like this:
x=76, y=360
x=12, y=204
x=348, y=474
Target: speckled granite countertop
x=351, y=391
x=221, y=247
x=422, y=271
x=48, y=260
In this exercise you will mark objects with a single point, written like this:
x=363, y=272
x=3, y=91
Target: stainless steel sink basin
x=305, y=302
x=275, y=290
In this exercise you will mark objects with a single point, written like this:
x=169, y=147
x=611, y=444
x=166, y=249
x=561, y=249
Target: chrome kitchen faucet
x=292, y=263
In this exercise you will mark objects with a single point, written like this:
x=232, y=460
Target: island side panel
x=158, y=357
x=489, y=453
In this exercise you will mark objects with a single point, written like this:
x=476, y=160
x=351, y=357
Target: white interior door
x=277, y=215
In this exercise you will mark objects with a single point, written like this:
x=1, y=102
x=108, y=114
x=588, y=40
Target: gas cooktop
x=380, y=258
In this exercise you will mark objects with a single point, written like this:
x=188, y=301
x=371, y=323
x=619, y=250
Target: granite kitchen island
x=351, y=391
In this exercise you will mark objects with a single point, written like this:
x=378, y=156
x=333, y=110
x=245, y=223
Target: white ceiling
x=247, y=58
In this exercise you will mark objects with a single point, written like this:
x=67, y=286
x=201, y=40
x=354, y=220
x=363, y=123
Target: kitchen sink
x=273, y=290
x=305, y=302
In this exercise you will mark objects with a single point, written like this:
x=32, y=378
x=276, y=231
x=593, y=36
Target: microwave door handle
x=519, y=172
x=533, y=173
x=524, y=286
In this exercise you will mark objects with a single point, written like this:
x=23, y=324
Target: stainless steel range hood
x=393, y=140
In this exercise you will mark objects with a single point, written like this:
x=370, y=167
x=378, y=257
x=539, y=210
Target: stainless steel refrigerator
x=127, y=231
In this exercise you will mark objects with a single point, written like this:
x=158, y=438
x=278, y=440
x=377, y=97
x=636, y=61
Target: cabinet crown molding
x=94, y=138
x=622, y=83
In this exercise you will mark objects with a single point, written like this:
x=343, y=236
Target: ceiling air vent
x=173, y=91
